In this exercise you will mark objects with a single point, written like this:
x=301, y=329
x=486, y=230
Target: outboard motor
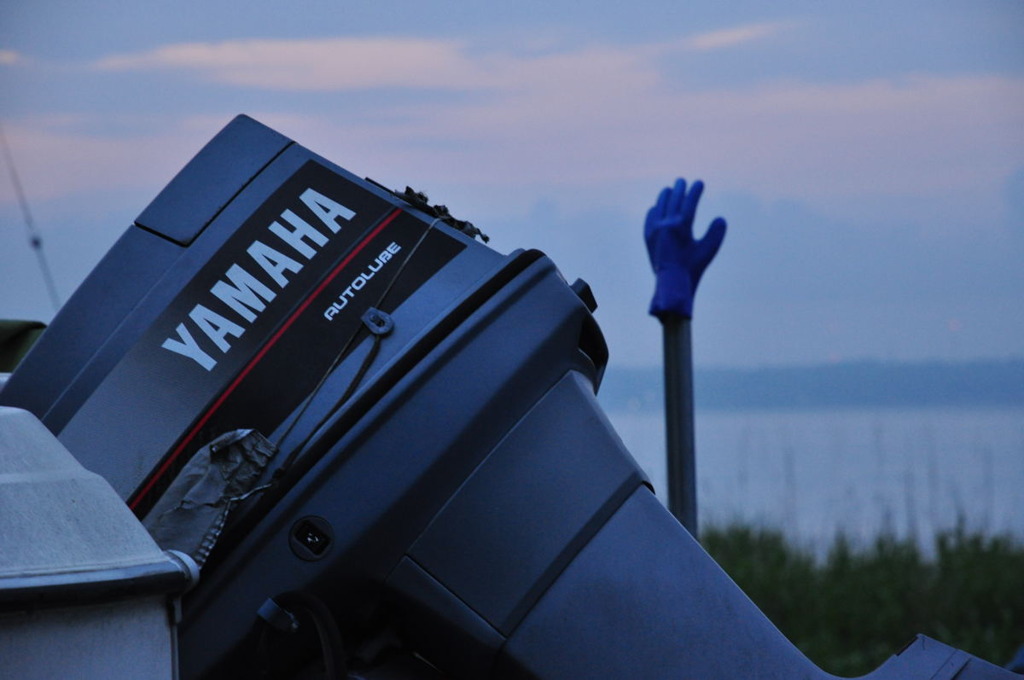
x=380, y=439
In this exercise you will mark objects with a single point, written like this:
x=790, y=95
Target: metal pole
x=679, y=421
x=34, y=239
x=679, y=260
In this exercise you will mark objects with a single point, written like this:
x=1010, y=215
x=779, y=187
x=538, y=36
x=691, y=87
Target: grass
x=852, y=610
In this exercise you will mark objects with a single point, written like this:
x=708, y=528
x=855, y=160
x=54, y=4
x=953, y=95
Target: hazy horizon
x=854, y=384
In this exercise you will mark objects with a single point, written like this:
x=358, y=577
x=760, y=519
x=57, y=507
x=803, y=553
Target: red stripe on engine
x=155, y=477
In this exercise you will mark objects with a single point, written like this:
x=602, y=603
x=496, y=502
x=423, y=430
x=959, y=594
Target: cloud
x=602, y=120
x=734, y=37
x=599, y=119
x=348, y=63
x=597, y=126
x=67, y=155
x=331, y=64
x=8, y=57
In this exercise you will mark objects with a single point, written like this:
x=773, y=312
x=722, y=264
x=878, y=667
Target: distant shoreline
x=875, y=384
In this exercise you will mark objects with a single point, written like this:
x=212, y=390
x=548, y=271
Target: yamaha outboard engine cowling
x=380, y=438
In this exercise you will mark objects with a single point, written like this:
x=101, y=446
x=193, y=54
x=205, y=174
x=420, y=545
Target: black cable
x=332, y=647
x=360, y=373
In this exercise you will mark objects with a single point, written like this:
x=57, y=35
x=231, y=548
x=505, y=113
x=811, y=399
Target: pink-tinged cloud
x=56, y=158
x=590, y=118
x=325, y=65
x=345, y=64
x=350, y=63
x=921, y=136
x=734, y=37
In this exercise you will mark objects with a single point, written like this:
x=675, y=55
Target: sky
x=869, y=157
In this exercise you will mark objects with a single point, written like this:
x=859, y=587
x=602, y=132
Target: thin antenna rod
x=34, y=239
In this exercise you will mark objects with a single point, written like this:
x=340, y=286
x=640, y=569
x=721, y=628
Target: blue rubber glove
x=678, y=259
